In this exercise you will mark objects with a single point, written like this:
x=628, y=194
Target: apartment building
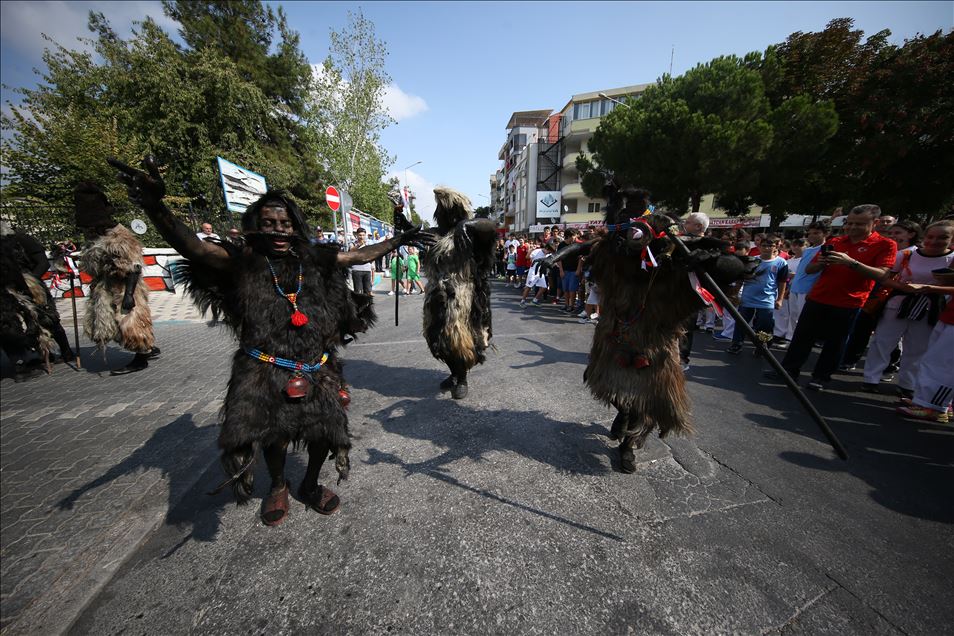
x=538, y=181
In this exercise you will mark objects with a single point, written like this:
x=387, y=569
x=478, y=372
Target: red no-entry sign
x=333, y=198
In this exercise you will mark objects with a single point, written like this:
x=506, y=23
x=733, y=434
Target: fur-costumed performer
x=458, y=260
x=290, y=309
x=28, y=317
x=646, y=295
x=117, y=308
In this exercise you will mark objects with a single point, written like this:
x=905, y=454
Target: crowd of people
x=875, y=294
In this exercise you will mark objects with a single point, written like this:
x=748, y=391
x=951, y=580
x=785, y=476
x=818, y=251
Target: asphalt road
x=505, y=512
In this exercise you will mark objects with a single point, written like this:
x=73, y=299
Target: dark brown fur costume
x=457, y=319
x=642, y=317
x=256, y=412
x=27, y=313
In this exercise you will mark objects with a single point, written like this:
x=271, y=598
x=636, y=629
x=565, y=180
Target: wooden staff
x=79, y=361
x=763, y=349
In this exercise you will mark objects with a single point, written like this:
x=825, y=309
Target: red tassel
x=299, y=319
x=344, y=397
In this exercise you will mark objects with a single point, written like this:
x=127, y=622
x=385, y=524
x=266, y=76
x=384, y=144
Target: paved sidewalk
x=92, y=463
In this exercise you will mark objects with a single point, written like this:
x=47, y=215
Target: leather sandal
x=322, y=500
x=275, y=507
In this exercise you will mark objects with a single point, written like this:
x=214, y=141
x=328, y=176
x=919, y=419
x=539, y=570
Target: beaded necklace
x=298, y=319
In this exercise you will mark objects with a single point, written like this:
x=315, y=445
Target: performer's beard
x=274, y=243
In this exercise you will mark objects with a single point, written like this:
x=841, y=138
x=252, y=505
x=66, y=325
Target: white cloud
x=398, y=103
x=22, y=23
x=401, y=105
x=423, y=191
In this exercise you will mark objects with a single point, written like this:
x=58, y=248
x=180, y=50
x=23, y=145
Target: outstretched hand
x=145, y=188
x=416, y=236
x=545, y=264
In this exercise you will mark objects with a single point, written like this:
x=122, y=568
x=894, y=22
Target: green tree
x=687, y=136
x=347, y=114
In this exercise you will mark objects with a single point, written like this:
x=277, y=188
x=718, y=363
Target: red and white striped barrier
x=157, y=273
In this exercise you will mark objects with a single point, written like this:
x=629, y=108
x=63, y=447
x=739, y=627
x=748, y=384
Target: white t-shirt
x=533, y=277
x=917, y=270
x=793, y=266
x=202, y=235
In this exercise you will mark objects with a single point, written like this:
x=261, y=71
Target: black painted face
x=277, y=225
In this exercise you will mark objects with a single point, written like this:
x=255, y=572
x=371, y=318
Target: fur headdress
x=93, y=209
x=452, y=208
x=250, y=218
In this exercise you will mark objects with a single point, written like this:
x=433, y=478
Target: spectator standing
x=512, y=265
x=849, y=265
x=782, y=319
x=413, y=271
x=523, y=261
x=934, y=383
x=536, y=281
x=693, y=226
x=361, y=273
x=398, y=271
x=911, y=313
x=905, y=234
x=802, y=281
x=762, y=295
x=207, y=232
x=569, y=267
x=235, y=237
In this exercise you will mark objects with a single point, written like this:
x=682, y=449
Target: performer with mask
x=458, y=264
x=290, y=308
x=646, y=295
x=118, y=305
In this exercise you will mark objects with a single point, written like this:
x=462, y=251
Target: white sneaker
x=523, y=303
x=582, y=314
x=594, y=316
x=390, y=293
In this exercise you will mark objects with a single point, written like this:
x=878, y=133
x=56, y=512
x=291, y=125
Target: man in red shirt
x=849, y=265
x=523, y=261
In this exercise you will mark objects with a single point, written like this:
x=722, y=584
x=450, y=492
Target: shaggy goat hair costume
x=109, y=260
x=256, y=412
x=634, y=360
x=457, y=321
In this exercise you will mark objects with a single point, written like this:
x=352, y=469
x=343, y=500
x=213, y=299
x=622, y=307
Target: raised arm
x=574, y=248
x=147, y=190
x=372, y=252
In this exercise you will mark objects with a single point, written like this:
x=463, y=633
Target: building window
x=593, y=208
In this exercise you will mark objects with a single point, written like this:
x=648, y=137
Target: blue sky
x=459, y=69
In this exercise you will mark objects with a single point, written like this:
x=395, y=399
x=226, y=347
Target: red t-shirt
x=523, y=256
x=842, y=286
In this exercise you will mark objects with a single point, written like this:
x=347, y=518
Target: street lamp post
x=405, y=174
x=613, y=99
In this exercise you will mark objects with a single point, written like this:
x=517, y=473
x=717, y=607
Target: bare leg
x=320, y=498
x=275, y=455
x=275, y=506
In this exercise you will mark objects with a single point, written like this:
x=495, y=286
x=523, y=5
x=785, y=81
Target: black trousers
x=362, y=282
x=819, y=322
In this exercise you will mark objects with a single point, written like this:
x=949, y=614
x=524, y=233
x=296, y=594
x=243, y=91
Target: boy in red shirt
x=849, y=265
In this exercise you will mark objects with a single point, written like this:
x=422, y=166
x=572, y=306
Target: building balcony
x=572, y=191
x=581, y=128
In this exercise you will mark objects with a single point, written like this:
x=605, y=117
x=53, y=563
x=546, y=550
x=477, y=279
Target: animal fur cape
x=256, y=410
x=109, y=260
x=27, y=313
x=642, y=316
x=457, y=319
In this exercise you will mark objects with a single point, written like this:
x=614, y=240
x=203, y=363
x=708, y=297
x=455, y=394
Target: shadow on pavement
x=551, y=355
x=471, y=434
x=160, y=451
x=908, y=465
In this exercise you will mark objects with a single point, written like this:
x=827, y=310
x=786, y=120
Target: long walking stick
x=79, y=360
x=397, y=284
x=760, y=346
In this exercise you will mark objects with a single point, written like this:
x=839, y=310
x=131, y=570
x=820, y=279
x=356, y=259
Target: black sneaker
x=735, y=349
x=815, y=385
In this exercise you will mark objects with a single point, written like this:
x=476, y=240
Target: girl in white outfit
x=909, y=318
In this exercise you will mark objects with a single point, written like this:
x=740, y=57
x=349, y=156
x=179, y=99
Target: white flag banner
x=406, y=198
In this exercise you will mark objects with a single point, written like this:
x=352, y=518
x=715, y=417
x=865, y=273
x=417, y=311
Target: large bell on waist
x=297, y=387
